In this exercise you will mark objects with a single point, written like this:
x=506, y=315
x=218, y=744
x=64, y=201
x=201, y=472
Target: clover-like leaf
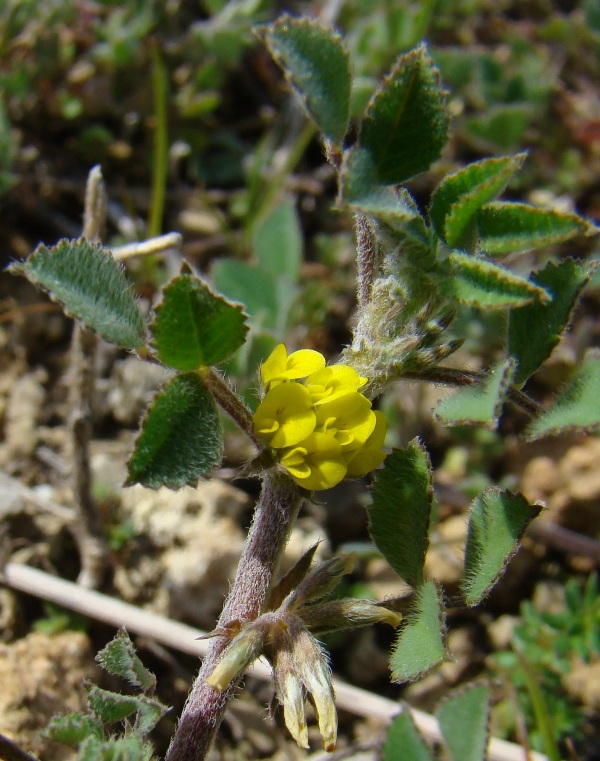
x=481, y=283
x=463, y=718
x=399, y=518
x=481, y=403
x=497, y=521
x=535, y=329
x=73, y=728
x=403, y=740
x=181, y=438
x=111, y=706
x=316, y=63
x=403, y=130
x=421, y=644
x=459, y=196
x=194, y=327
x=90, y=285
x=119, y=657
x=577, y=408
x=507, y=227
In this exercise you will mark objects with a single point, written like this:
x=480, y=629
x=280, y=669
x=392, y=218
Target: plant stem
x=87, y=530
x=275, y=513
x=160, y=157
x=449, y=376
x=10, y=751
x=367, y=259
x=230, y=402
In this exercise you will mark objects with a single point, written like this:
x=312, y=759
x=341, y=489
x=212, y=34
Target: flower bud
x=244, y=648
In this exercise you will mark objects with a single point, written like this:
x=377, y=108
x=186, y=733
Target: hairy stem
x=230, y=402
x=368, y=258
x=449, y=376
x=275, y=513
x=88, y=532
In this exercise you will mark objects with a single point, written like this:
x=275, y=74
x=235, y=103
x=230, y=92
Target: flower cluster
x=315, y=417
x=283, y=635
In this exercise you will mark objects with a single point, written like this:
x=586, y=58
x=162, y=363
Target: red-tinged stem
x=275, y=513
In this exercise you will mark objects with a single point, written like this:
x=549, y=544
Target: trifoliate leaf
x=403, y=740
x=506, y=228
x=463, y=718
x=577, y=408
x=91, y=286
x=316, y=63
x=194, y=327
x=403, y=130
x=459, y=196
x=535, y=329
x=181, y=438
x=399, y=518
x=497, y=521
x=421, y=642
x=481, y=403
x=483, y=284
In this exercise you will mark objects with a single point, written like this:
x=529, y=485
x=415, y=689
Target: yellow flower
x=285, y=416
x=280, y=367
x=349, y=419
x=316, y=462
x=367, y=457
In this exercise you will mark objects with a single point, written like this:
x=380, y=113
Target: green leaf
x=316, y=63
x=535, y=329
x=403, y=130
x=111, y=706
x=497, y=521
x=194, y=327
x=277, y=242
x=481, y=403
x=463, y=720
x=92, y=749
x=73, y=728
x=403, y=224
x=181, y=438
x=403, y=740
x=459, y=196
x=577, y=408
x=91, y=286
x=399, y=518
x=483, y=284
x=507, y=227
x=395, y=206
x=119, y=657
x=150, y=712
x=421, y=642
x=128, y=748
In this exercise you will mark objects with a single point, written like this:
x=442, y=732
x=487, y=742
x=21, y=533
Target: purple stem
x=277, y=508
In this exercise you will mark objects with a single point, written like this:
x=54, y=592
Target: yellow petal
x=349, y=418
x=367, y=457
x=304, y=362
x=274, y=365
x=322, y=456
x=332, y=382
x=290, y=406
